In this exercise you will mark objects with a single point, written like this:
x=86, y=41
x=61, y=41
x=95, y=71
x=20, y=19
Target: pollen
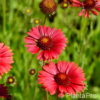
x=62, y=76
x=45, y=40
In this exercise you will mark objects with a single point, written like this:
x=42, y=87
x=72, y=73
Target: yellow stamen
x=28, y=10
x=10, y=80
x=36, y=21
x=65, y=5
x=45, y=40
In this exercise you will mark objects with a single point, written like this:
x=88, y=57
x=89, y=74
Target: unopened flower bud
x=48, y=6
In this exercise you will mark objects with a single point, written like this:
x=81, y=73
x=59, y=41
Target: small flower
x=10, y=80
x=37, y=21
x=28, y=11
x=62, y=78
x=48, y=6
x=64, y=5
x=49, y=41
x=6, y=59
x=32, y=71
x=88, y=6
x=3, y=91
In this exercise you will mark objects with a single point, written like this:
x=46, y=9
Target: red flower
x=3, y=91
x=88, y=6
x=49, y=41
x=63, y=77
x=6, y=59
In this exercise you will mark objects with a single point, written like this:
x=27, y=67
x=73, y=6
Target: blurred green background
x=17, y=17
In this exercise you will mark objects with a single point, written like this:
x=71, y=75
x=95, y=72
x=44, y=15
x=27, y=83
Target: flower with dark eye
x=87, y=6
x=90, y=6
x=10, y=80
x=63, y=77
x=48, y=42
x=32, y=71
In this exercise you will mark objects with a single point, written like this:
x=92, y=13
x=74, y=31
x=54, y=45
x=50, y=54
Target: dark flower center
x=89, y=4
x=65, y=1
x=61, y=79
x=45, y=43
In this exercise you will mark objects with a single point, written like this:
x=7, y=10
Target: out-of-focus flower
x=10, y=80
x=32, y=71
x=48, y=6
x=6, y=59
x=62, y=78
x=3, y=91
x=64, y=5
x=28, y=11
x=49, y=41
x=35, y=21
x=87, y=7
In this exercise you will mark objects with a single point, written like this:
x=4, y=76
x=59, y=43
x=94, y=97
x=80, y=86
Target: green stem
x=4, y=17
x=47, y=96
x=83, y=40
x=45, y=19
x=57, y=97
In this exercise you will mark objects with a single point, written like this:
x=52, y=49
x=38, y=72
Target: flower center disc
x=61, y=79
x=45, y=43
x=89, y=3
x=49, y=3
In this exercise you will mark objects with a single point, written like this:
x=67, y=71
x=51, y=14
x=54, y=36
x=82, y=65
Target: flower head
x=32, y=71
x=62, y=78
x=48, y=6
x=10, y=80
x=6, y=59
x=49, y=41
x=64, y=5
x=28, y=11
x=88, y=6
x=37, y=21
